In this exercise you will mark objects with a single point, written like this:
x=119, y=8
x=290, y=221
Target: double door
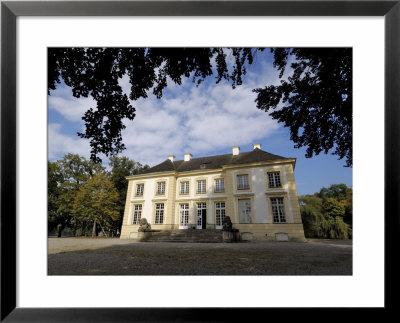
x=201, y=215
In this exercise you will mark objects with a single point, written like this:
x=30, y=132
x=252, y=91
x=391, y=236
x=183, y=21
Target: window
x=200, y=207
x=184, y=215
x=201, y=186
x=219, y=214
x=278, y=210
x=242, y=182
x=137, y=213
x=159, y=218
x=160, y=188
x=139, y=189
x=245, y=211
x=274, y=179
x=184, y=187
x=219, y=185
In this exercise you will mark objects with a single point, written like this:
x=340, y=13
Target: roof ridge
x=215, y=161
x=213, y=156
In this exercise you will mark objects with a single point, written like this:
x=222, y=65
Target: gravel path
x=86, y=256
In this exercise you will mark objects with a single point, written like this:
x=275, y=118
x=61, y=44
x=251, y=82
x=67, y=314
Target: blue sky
x=206, y=120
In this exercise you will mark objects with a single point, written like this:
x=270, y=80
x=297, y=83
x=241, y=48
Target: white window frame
x=160, y=188
x=184, y=188
x=159, y=213
x=139, y=192
x=248, y=216
x=274, y=179
x=201, y=186
x=184, y=215
x=137, y=213
x=242, y=180
x=220, y=213
x=278, y=209
x=219, y=188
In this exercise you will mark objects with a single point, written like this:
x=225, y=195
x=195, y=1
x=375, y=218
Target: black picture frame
x=10, y=10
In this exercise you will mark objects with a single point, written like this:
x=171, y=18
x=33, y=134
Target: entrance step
x=188, y=235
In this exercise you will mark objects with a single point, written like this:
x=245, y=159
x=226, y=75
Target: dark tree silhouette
x=315, y=101
x=317, y=97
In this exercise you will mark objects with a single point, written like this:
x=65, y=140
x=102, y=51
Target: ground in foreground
x=79, y=256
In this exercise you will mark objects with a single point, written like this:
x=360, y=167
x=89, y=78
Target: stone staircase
x=189, y=235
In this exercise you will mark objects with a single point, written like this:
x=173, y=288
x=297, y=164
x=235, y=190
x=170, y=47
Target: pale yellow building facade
x=256, y=189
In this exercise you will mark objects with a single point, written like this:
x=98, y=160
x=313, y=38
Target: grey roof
x=214, y=162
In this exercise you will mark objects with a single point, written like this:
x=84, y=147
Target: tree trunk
x=84, y=226
x=94, y=228
x=74, y=230
x=60, y=228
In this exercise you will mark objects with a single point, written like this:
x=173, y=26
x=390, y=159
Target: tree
x=312, y=214
x=344, y=197
x=348, y=218
x=332, y=207
x=121, y=167
x=65, y=177
x=311, y=203
x=317, y=98
x=76, y=169
x=97, y=202
x=323, y=214
x=315, y=101
x=55, y=219
x=336, y=191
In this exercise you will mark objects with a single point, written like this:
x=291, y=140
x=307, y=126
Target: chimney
x=235, y=150
x=187, y=157
x=256, y=146
x=171, y=158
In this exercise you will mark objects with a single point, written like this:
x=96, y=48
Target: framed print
x=86, y=20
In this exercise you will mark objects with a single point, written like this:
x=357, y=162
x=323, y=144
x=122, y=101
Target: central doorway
x=201, y=215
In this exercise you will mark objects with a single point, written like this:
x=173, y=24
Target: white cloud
x=60, y=144
x=69, y=107
x=200, y=120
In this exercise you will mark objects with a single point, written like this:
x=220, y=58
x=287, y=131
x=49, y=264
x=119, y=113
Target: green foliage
x=336, y=191
x=68, y=181
x=348, y=204
x=311, y=204
x=53, y=192
x=121, y=167
x=324, y=216
x=65, y=177
x=332, y=207
x=76, y=169
x=97, y=202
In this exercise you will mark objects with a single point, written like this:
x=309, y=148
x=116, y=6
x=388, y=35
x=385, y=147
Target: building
x=256, y=189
